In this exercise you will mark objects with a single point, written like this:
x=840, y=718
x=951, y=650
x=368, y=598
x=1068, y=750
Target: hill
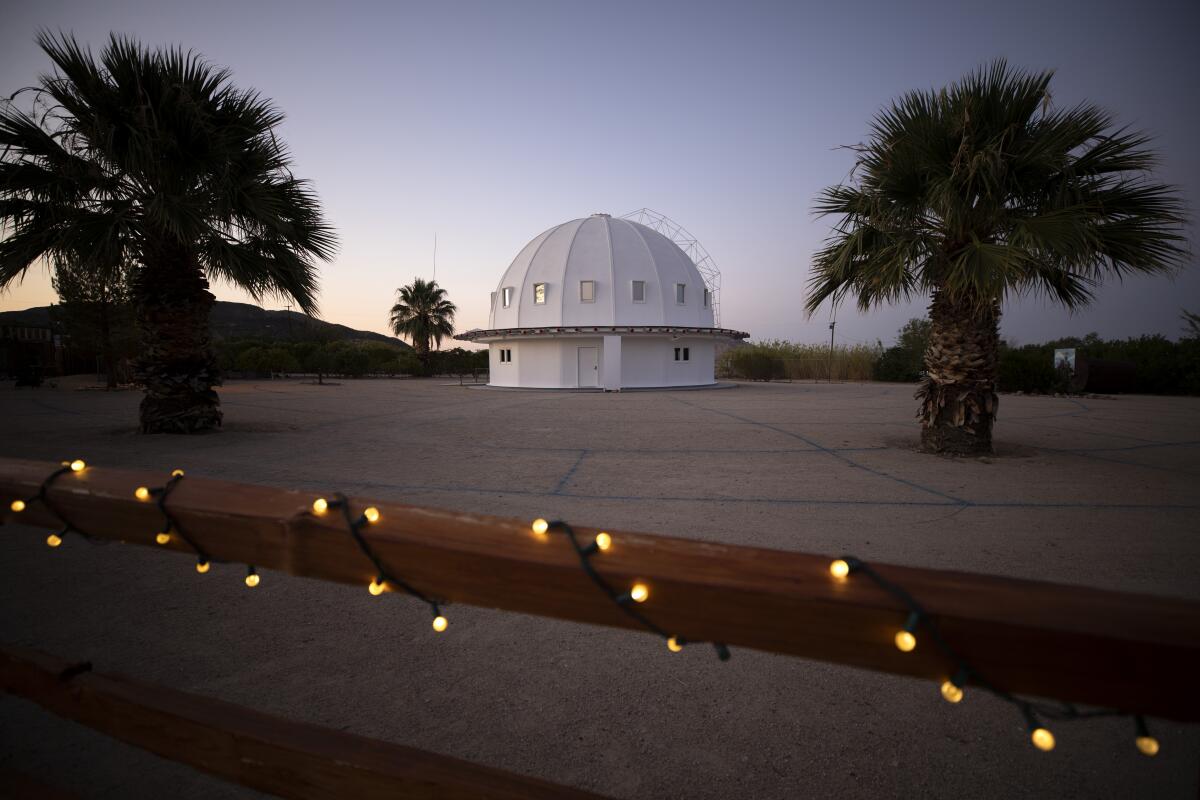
x=243, y=321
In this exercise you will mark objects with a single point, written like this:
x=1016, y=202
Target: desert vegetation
x=263, y=358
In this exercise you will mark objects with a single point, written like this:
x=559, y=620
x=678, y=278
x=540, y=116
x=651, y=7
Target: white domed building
x=601, y=302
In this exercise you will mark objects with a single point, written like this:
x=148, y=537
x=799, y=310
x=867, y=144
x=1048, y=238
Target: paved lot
x=1095, y=491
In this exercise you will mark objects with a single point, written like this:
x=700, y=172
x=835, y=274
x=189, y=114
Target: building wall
x=645, y=362
x=541, y=363
x=650, y=361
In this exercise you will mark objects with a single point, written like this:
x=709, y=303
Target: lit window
x=539, y=293
x=507, y=295
x=587, y=291
x=707, y=297
x=639, y=291
x=679, y=293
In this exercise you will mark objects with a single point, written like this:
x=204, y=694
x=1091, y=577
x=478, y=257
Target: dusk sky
x=487, y=123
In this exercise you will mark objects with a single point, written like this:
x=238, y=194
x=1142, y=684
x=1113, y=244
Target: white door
x=589, y=367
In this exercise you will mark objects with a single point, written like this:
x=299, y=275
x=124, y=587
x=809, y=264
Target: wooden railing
x=267, y=753
x=1135, y=653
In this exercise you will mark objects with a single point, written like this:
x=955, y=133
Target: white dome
x=545, y=286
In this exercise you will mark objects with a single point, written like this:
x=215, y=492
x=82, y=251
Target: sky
x=487, y=123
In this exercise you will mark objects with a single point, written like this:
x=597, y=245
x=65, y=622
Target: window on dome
x=539, y=293
x=639, y=291
x=679, y=293
x=507, y=296
x=707, y=298
x=587, y=291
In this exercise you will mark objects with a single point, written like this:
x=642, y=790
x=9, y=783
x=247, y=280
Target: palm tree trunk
x=177, y=365
x=958, y=394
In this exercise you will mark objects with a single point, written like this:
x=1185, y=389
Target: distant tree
x=424, y=315
x=980, y=192
x=903, y=361
x=153, y=156
x=95, y=310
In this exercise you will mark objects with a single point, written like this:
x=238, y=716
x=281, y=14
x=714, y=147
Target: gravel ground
x=1094, y=491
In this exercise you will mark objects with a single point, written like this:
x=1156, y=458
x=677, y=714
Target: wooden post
x=267, y=753
x=1136, y=653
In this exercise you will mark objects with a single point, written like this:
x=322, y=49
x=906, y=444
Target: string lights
x=638, y=593
x=963, y=673
x=383, y=578
x=55, y=539
x=905, y=639
x=171, y=525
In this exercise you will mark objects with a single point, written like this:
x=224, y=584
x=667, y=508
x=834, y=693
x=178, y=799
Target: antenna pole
x=831, y=324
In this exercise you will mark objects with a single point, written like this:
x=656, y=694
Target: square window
x=506, y=356
x=587, y=291
x=639, y=291
x=679, y=293
x=539, y=293
x=507, y=296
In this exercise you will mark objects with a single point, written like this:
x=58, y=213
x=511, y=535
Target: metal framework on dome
x=688, y=244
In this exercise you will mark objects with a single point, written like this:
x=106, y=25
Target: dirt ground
x=1094, y=491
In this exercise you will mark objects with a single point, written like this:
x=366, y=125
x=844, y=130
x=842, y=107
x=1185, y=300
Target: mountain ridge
x=242, y=321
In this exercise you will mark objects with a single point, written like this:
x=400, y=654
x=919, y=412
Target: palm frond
x=982, y=191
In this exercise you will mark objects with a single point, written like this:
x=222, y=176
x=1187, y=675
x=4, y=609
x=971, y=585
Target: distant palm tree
x=979, y=193
x=423, y=314
x=154, y=157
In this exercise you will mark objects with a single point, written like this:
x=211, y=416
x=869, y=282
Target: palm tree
x=422, y=313
x=978, y=193
x=154, y=157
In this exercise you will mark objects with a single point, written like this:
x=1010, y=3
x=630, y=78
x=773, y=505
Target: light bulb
x=252, y=580
x=1042, y=739
x=1147, y=745
x=639, y=593
x=905, y=641
x=375, y=587
x=176, y=473
x=951, y=692
x=202, y=567
x=839, y=568
x=439, y=623
x=320, y=505
x=372, y=514
x=17, y=506
x=603, y=540
x=673, y=645
x=141, y=493
x=54, y=540
x=163, y=538
x=540, y=526
x=77, y=465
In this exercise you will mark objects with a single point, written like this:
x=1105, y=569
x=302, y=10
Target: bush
x=1027, y=369
x=780, y=360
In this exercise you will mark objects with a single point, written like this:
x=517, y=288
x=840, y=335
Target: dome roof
x=634, y=274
